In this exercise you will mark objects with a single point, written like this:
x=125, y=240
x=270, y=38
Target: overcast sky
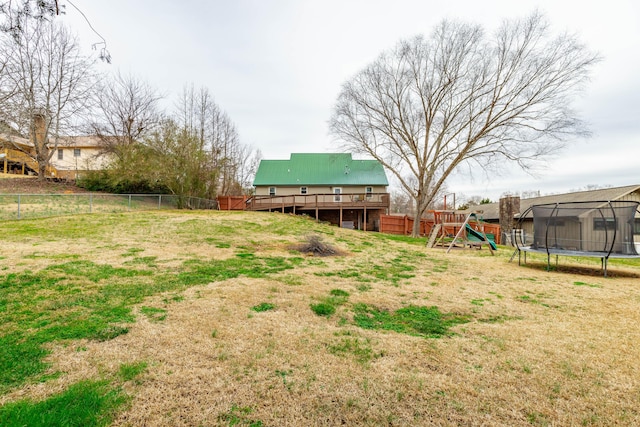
x=277, y=66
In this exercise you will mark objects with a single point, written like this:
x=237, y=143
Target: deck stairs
x=21, y=157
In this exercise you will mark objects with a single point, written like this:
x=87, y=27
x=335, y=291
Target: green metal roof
x=320, y=169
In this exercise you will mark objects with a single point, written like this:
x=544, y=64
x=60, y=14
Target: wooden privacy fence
x=403, y=224
x=232, y=203
x=395, y=224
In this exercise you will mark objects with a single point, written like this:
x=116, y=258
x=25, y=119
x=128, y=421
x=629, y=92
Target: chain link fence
x=26, y=206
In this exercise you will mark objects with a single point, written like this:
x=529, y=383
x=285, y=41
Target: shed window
x=272, y=191
x=60, y=153
x=605, y=223
x=303, y=190
x=76, y=152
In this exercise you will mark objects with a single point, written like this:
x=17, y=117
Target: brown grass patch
x=540, y=350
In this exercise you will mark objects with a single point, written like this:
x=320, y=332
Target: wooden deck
x=16, y=157
x=307, y=202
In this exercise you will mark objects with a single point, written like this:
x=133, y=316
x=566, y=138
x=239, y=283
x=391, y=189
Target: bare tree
x=196, y=112
x=199, y=114
x=127, y=110
x=249, y=160
x=401, y=203
x=126, y=113
x=14, y=14
x=461, y=97
x=7, y=90
x=50, y=85
x=192, y=108
x=226, y=143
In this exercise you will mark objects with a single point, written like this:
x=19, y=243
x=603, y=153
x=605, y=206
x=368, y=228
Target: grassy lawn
x=187, y=318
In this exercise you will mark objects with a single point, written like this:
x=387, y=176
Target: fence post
x=90, y=202
x=159, y=201
x=18, y=206
x=129, y=201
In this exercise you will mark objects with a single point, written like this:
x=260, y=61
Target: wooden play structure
x=453, y=229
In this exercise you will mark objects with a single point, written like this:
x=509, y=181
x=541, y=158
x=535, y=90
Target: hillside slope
x=35, y=186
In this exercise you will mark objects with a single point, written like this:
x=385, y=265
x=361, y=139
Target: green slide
x=474, y=235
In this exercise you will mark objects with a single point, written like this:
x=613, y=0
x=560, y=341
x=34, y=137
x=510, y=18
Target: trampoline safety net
x=598, y=227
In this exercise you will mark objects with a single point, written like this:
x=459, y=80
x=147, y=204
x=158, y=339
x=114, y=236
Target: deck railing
x=320, y=201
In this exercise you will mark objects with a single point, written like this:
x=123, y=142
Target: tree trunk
x=421, y=206
x=42, y=171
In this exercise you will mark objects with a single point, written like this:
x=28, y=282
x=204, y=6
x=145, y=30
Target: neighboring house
x=330, y=187
x=78, y=154
x=73, y=156
x=513, y=207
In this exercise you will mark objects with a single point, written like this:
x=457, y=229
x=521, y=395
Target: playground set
x=601, y=229
x=453, y=229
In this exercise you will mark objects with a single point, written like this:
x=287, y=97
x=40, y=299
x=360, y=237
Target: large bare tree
x=463, y=97
x=127, y=110
x=48, y=85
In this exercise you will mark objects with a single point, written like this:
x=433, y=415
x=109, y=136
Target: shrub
x=323, y=309
x=264, y=306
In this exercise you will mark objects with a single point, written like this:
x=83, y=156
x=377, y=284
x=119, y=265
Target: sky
x=277, y=66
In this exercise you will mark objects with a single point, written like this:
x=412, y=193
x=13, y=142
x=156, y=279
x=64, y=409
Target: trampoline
x=601, y=229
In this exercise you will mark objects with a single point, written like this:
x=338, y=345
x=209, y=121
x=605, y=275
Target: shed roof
x=320, y=169
x=491, y=211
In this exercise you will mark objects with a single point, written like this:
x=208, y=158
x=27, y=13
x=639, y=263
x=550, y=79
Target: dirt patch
x=36, y=186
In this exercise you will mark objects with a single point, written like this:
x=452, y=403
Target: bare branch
x=126, y=112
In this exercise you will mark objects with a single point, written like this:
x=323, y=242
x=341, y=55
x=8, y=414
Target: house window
x=337, y=197
x=637, y=226
x=272, y=191
x=303, y=190
x=76, y=152
x=368, y=192
x=60, y=153
x=605, y=223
